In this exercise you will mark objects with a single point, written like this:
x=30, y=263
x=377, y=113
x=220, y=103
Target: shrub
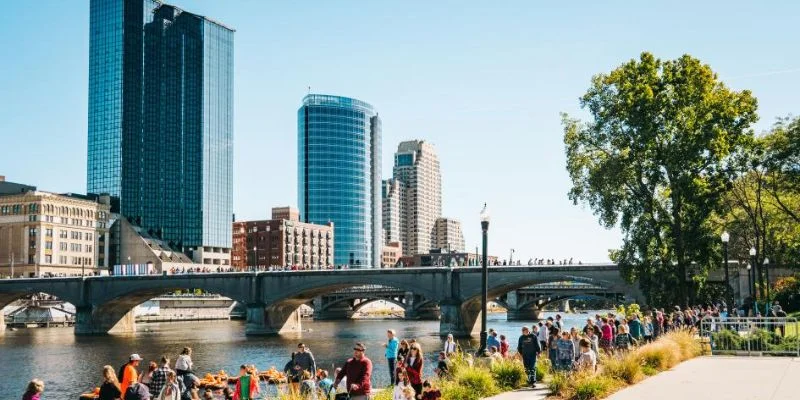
x=626, y=368
x=543, y=368
x=385, y=394
x=593, y=386
x=659, y=355
x=689, y=346
x=559, y=383
x=452, y=391
x=509, y=374
x=478, y=380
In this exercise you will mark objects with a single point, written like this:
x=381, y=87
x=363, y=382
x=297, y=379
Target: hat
x=135, y=357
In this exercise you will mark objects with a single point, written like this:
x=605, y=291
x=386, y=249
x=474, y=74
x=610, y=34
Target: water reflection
x=72, y=364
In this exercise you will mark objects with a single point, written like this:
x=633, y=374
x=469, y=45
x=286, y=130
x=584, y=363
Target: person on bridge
x=129, y=374
x=528, y=348
x=392, y=346
x=358, y=371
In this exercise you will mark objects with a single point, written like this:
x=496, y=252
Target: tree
x=655, y=159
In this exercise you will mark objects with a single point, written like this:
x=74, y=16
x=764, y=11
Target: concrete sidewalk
x=722, y=378
x=712, y=378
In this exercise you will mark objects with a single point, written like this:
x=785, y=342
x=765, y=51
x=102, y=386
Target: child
x=587, y=360
x=246, y=385
x=429, y=393
x=623, y=341
x=325, y=384
x=402, y=387
x=308, y=387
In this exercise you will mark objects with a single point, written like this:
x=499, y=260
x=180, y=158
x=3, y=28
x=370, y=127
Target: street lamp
x=755, y=271
x=255, y=258
x=766, y=272
x=484, y=278
x=749, y=281
x=725, y=238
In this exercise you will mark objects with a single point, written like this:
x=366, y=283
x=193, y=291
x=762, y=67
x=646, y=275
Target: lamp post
x=766, y=272
x=725, y=238
x=749, y=281
x=484, y=278
x=255, y=258
x=755, y=271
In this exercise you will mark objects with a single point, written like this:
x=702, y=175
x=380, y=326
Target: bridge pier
x=2, y=323
x=276, y=319
x=517, y=311
x=459, y=319
x=90, y=320
x=564, y=307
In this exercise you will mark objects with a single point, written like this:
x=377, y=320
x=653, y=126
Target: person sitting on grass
x=308, y=387
x=429, y=393
x=325, y=384
x=441, y=366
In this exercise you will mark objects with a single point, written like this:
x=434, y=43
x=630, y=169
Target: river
x=71, y=364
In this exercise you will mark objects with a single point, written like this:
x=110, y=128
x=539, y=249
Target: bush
x=452, y=391
x=659, y=356
x=385, y=394
x=558, y=383
x=543, y=368
x=627, y=368
x=592, y=386
x=689, y=346
x=509, y=374
x=478, y=380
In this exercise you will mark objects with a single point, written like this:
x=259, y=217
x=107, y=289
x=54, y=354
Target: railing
x=776, y=336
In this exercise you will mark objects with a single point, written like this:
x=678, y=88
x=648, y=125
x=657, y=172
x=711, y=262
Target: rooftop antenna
x=309, y=90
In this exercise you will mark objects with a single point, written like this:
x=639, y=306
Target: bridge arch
x=370, y=301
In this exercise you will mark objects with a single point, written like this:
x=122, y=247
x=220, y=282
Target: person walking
x=450, y=345
x=565, y=352
x=392, y=346
x=542, y=335
x=184, y=364
x=159, y=378
x=587, y=359
x=34, y=390
x=528, y=348
x=358, y=372
x=304, y=360
x=635, y=328
x=109, y=389
x=129, y=373
x=624, y=341
x=414, y=366
x=170, y=390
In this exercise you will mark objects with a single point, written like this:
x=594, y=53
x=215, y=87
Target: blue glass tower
x=161, y=119
x=339, y=174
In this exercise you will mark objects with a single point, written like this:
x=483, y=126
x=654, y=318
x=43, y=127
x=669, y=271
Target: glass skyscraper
x=339, y=174
x=161, y=119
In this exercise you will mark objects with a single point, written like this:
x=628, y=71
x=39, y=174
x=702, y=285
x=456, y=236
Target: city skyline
x=501, y=96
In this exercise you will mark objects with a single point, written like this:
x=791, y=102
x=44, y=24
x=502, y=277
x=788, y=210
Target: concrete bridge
x=103, y=304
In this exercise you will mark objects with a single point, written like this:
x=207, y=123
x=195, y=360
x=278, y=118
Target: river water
x=71, y=364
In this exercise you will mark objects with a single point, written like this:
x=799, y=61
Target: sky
x=483, y=81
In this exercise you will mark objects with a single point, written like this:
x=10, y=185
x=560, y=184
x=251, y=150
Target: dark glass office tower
x=339, y=174
x=161, y=119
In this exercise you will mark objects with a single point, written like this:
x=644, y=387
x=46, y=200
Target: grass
x=620, y=370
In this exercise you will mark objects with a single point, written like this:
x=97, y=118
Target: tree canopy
x=656, y=159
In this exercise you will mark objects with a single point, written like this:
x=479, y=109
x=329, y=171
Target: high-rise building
x=161, y=122
x=282, y=241
x=391, y=211
x=339, y=174
x=416, y=167
x=448, y=235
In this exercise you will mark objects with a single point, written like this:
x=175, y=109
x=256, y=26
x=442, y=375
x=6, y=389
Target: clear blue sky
x=484, y=82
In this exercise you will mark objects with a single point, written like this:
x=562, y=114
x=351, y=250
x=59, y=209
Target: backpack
x=121, y=372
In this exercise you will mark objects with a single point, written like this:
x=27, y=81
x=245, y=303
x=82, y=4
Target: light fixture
x=752, y=251
x=725, y=237
x=485, y=214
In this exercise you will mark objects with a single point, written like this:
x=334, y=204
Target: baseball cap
x=135, y=357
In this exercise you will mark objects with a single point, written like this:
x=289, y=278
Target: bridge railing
x=749, y=336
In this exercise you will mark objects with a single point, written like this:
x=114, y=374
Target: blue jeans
x=392, y=376
x=529, y=361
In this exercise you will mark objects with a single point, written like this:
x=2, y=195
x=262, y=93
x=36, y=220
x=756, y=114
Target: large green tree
x=655, y=160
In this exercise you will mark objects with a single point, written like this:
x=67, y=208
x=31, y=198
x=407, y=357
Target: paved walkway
x=717, y=378
x=722, y=378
